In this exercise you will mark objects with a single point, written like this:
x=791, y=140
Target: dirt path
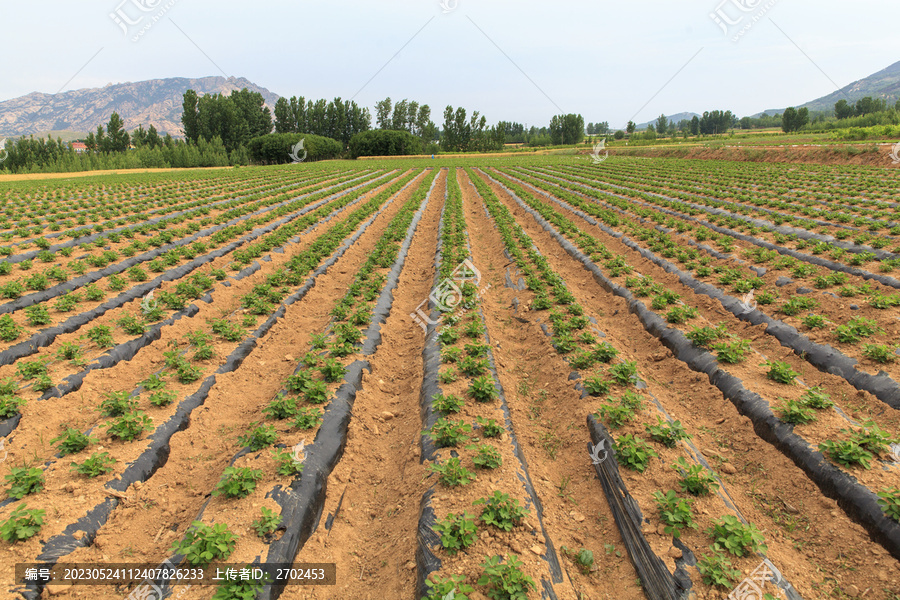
x=548, y=417
x=379, y=481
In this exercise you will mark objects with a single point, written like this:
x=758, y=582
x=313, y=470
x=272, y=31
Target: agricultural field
x=485, y=377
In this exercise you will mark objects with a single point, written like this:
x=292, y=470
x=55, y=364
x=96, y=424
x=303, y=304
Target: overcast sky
x=517, y=60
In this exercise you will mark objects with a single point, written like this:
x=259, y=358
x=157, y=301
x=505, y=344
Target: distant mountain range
x=883, y=84
x=157, y=102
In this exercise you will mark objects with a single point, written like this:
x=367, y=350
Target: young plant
x=704, y=336
x=316, y=392
x=482, y=389
x=501, y=511
x=24, y=481
x=780, y=372
x=307, y=418
x=447, y=403
x=281, y=407
x=237, y=482
x=22, y=524
x=102, y=336
x=624, y=373
x=448, y=375
x=9, y=329
x=267, y=523
x=451, y=472
x=889, y=500
x=98, y=464
x=796, y=412
x=10, y=406
x=583, y=558
x=506, y=580
x=288, y=465
x=847, y=453
x=129, y=426
x=696, y=480
x=332, y=371
x=816, y=398
x=730, y=534
x=448, y=433
x=597, y=386
x=813, y=321
x=488, y=457
x=616, y=415
x=154, y=382
x=667, y=434
x=473, y=367
x=633, y=452
x=116, y=404
x=203, y=544
x=162, y=398
x=453, y=586
x=451, y=354
x=879, y=353
x=731, y=352
x=604, y=352
x=71, y=441
x=258, y=437
x=489, y=427
x=681, y=314
x=716, y=570
x=37, y=315
x=457, y=532
x=674, y=512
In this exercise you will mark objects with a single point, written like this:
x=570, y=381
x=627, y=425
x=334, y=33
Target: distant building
x=78, y=147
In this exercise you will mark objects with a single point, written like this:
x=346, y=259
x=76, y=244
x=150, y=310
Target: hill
x=156, y=101
x=883, y=84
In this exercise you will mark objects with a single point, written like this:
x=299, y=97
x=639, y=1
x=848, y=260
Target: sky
x=513, y=60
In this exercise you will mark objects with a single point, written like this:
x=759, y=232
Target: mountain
x=883, y=84
x=682, y=116
x=157, y=102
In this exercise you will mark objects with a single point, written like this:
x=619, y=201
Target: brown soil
x=764, y=482
x=380, y=480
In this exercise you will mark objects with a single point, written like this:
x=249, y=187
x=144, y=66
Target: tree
x=117, y=139
x=566, y=129
x=788, y=119
x=139, y=136
x=383, y=113
x=630, y=127
x=190, y=120
x=153, y=139
x=619, y=134
x=802, y=118
x=284, y=117
x=695, y=125
x=843, y=109
x=398, y=122
x=662, y=125
x=101, y=139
